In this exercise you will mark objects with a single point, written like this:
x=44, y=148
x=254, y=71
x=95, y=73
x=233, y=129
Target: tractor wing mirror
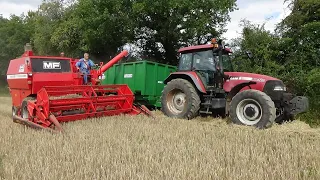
x=249, y=54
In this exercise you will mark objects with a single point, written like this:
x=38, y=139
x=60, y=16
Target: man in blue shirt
x=84, y=65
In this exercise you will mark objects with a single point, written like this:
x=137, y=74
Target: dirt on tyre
x=180, y=99
x=253, y=108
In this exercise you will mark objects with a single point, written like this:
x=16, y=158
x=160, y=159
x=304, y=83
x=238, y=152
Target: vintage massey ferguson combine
x=48, y=90
x=205, y=83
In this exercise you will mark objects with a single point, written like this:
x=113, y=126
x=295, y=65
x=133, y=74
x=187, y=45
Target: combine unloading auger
x=42, y=98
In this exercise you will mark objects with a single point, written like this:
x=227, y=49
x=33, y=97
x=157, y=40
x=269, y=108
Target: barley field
x=141, y=148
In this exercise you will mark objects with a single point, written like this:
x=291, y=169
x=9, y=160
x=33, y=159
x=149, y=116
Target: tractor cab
x=209, y=61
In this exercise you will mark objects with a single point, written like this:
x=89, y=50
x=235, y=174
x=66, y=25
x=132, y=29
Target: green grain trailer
x=144, y=78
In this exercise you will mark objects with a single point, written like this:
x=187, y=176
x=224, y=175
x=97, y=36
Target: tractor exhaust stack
x=47, y=90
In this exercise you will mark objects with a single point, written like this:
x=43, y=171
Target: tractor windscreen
x=50, y=65
x=201, y=60
x=204, y=61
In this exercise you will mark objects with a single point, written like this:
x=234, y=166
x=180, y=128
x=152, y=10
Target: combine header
x=48, y=90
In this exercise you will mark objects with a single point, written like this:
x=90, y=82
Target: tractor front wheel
x=180, y=100
x=253, y=108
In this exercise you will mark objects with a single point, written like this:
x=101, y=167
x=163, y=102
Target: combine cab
x=48, y=90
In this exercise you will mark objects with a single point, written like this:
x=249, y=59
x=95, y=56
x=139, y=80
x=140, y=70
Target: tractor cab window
x=226, y=62
x=204, y=61
x=185, y=62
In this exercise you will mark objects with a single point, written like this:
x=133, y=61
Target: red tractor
x=206, y=84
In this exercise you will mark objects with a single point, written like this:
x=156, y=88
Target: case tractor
x=206, y=84
x=47, y=90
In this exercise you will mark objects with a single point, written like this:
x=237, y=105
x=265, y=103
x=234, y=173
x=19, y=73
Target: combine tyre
x=180, y=99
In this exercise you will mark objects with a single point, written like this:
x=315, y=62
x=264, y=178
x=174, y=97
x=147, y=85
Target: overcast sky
x=257, y=11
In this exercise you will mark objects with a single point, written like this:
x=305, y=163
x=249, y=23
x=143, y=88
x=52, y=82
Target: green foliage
x=160, y=27
x=13, y=35
x=47, y=19
x=291, y=53
x=264, y=47
x=165, y=26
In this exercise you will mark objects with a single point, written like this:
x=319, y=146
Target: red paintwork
x=194, y=77
x=112, y=62
x=92, y=100
x=198, y=47
x=88, y=101
x=231, y=83
x=190, y=48
x=258, y=78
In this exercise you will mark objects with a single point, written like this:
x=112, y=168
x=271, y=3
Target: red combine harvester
x=48, y=90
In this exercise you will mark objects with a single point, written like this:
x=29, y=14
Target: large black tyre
x=180, y=99
x=253, y=108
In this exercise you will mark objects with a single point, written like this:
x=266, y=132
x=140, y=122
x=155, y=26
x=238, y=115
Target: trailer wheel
x=180, y=100
x=253, y=108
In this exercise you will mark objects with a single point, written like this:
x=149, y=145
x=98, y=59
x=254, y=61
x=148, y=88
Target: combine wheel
x=14, y=111
x=24, y=107
x=180, y=99
x=253, y=108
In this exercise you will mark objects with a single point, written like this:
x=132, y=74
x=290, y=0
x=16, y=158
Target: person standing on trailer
x=84, y=65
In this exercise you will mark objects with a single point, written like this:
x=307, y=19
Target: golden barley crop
x=137, y=147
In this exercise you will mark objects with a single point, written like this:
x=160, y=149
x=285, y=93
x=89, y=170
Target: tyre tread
x=270, y=104
x=195, y=99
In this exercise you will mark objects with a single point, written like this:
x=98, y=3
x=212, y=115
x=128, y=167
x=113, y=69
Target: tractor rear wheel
x=180, y=99
x=253, y=108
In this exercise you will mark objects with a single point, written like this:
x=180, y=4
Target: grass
x=126, y=147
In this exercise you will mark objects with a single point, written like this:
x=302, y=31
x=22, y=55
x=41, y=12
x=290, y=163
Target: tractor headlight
x=280, y=88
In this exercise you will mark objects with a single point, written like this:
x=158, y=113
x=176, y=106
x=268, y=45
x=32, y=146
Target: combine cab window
x=50, y=65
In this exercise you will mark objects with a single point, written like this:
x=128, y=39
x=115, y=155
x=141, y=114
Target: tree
x=165, y=26
x=265, y=47
x=13, y=35
x=291, y=53
x=46, y=20
x=100, y=27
